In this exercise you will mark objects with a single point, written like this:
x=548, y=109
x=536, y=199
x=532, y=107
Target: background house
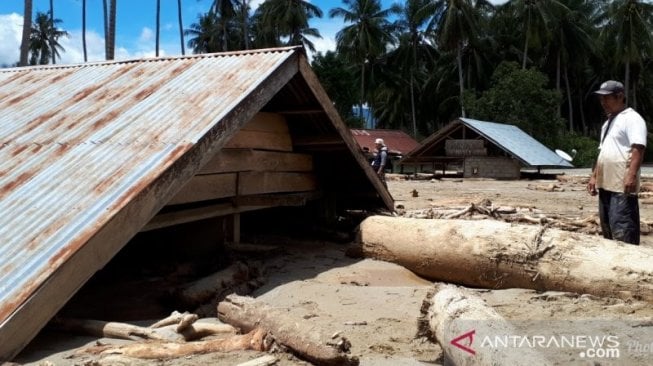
x=398, y=142
x=482, y=149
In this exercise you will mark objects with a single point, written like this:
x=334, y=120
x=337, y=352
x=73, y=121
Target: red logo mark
x=465, y=347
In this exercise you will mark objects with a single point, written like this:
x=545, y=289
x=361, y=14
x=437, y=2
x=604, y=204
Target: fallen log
x=204, y=289
x=458, y=320
x=298, y=336
x=493, y=254
x=254, y=340
x=173, y=332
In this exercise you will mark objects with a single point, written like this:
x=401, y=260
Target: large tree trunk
x=493, y=254
x=458, y=320
x=27, y=28
x=302, y=338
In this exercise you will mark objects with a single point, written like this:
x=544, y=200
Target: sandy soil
x=376, y=305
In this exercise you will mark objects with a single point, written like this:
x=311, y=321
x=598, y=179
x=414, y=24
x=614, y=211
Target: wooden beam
x=319, y=141
x=267, y=122
x=196, y=214
x=275, y=182
x=263, y=140
x=301, y=111
x=277, y=199
x=238, y=160
x=207, y=187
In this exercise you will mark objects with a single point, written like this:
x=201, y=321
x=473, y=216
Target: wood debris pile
x=485, y=209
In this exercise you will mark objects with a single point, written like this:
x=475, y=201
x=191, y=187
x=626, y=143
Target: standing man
x=617, y=169
x=380, y=159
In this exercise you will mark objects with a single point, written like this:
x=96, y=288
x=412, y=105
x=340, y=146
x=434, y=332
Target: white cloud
x=74, y=51
x=147, y=35
x=11, y=29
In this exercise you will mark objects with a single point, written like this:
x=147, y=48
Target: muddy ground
x=376, y=305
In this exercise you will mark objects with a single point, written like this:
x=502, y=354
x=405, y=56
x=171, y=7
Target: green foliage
x=519, y=97
x=587, y=149
x=339, y=82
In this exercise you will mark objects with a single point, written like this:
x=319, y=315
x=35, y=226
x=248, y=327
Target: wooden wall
x=259, y=159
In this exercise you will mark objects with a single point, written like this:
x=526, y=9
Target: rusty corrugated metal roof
x=79, y=143
x=397, y=141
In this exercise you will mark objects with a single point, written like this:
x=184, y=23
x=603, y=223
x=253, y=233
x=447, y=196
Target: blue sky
x=135, y=29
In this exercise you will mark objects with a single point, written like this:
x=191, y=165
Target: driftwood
x=458, y=320
x=587, y=225
x=237, y=276
x=183, y=330
x=254, y=340
x=303, y=340
x=494, y=254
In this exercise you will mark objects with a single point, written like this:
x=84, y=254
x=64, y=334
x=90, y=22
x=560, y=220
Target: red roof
x=398, y=142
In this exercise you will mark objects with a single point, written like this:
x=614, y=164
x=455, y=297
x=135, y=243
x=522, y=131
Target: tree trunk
x=51, y=40
x=27, y=28
x=302, y=338
x=570, y=105
x=458, y=319
x=181, y=28
x=112, y=30
x=84, y=30
x=105, y=13
x=493, y=254
x=459, y=60
x=158, y=27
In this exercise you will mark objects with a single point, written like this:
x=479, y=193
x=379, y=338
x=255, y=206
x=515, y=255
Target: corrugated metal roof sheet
x=396, y=140
x=79, y=142
x=517, y=143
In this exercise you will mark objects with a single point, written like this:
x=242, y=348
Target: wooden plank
x=262, y=140
x=196, y=214
x=206, y=187
x=277, y=199
x=234, y=160
x=267, y=122
x=271, y=182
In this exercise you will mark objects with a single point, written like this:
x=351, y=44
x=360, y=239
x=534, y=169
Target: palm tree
x=627, y=34
x=43, y=39
x=84, y=30
x=572, y=45
x=367, y=35
x=158, y=27
x=454, y=24
x=290, y=18
x=27, y=29
x=205, y=34
x=181, y=28
x=225, y=10
x=413, y=46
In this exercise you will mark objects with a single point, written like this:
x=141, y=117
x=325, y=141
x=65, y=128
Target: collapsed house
x=93, y=154
x=483, y=150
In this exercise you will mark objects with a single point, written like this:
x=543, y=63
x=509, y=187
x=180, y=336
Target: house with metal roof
x=483, y=149
x=93, y=154
x=397, y=141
